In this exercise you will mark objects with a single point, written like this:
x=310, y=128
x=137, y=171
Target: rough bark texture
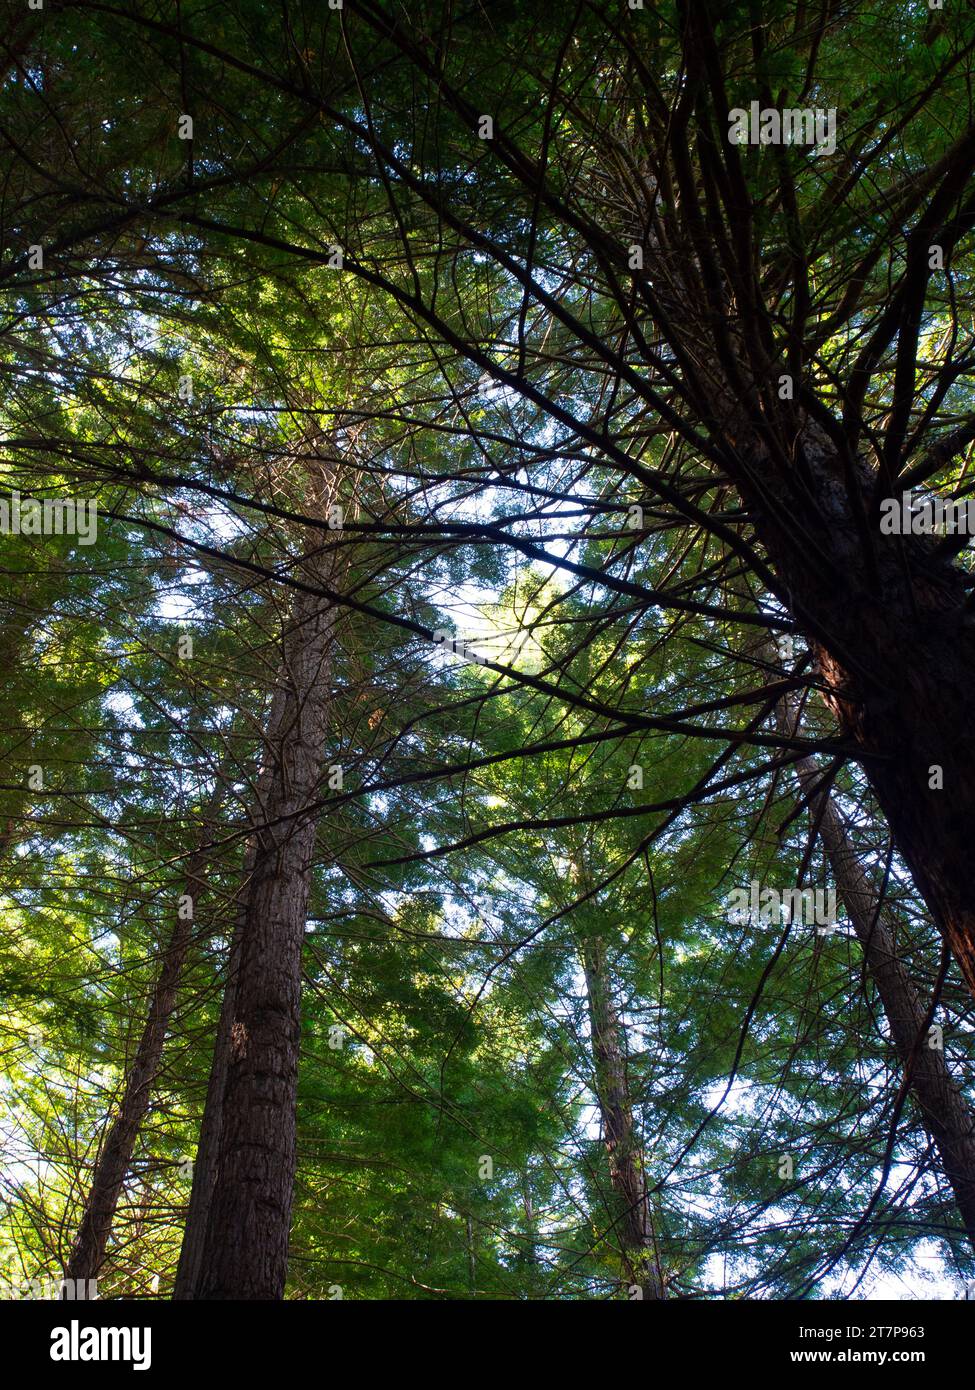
x=896, y=649
x=890, y=620
x=208, y=1145
x=115, y=1156
x=634, y=1221
x=239, y=1227
x=946, y=1116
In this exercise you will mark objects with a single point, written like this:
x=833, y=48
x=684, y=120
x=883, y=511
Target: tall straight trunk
x=208, y=1144
x=471, y=1259
x=633, y=1217
x=115, y=1156
x=945, y=1114
x=238, y=1229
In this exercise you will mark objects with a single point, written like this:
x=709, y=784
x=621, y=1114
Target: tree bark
x=634, y=1221
x=945, y=1114
x=239, y=1228
x=208, y=1144
x=897, y=655
x=471, y=1259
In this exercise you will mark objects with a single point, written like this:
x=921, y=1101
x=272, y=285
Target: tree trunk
x=471, y=1260
x=634, y=1222
x=895, y=646
x=239, y=1227
x=921, y=724
x=115, y=1156
x=946, y=1116
x=208, y=1144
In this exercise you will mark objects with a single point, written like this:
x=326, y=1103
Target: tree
x=627, y=330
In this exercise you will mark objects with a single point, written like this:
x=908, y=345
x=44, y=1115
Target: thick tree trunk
x=208, y=1144
x=920, y=723
x=634, y=1222
x=896, y=650
x=115, y=1156
x=239, y=1227
x=946, y=1116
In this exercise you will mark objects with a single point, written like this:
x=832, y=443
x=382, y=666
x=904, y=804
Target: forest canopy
x=488, y=768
